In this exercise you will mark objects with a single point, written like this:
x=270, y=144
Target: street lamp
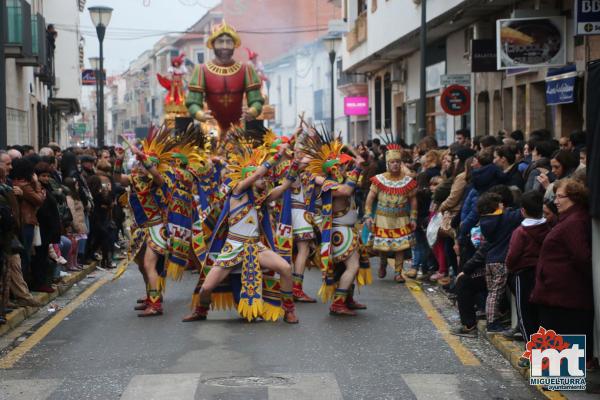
x=100, y=18
x=95, y=64
x=330, y=42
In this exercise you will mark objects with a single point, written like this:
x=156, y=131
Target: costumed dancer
x=147, y=200
x=222, y=83
x=394, y=219
x=243, y=239
x=343, y=257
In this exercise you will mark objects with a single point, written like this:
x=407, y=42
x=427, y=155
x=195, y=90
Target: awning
x=560, y=85
x=66, y=106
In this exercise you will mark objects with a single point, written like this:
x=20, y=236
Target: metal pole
x=332, y=61
x=3, y=125
x=101, y=30
x=423, y=91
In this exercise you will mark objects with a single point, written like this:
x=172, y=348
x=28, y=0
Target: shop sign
x=356, y=106
x=587, y=17
x=560, y=86
x=456, y=79
x=531, y=42
x=483, y=55
x=455, y=100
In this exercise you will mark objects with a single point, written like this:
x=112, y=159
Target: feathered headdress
x=193, y=147
x=394, y=150
x=224, y=29
x=158, y=146
x=324, y=151
x=242, y=156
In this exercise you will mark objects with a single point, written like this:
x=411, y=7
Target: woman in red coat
x=563, y=287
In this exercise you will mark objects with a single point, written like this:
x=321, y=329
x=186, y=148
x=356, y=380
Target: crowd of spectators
x=58, y=213
x=500, y=215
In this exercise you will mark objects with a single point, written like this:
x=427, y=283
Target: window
x=378, y=83
x=290, y=91
x=318, y=80
x=387, y=101
x=200, y=57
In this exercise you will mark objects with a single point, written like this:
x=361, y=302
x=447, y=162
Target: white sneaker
x=61, y=260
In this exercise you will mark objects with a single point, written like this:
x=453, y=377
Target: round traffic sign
x=455, y=100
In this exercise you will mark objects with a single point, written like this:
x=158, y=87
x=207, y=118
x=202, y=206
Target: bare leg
x=298, y=275
x=212, y=280
x=301, y=257
x=399, y=265
x=270, y=260
x=352, y=265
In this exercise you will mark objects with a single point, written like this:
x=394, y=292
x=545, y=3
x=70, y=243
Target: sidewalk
x=511, y=350
x=18, y=315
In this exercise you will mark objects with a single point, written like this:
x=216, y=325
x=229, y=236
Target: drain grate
x=231, y=381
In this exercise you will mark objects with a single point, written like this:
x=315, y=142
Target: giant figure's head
x=224, y=40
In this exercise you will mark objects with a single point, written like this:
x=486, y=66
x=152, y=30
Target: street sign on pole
x=79, y=128
x=456, y=79
x=455, y=100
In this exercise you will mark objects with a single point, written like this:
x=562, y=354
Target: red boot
x=289, y=308
x=153, y=305
x=339, y=306
x=199, y=314
x=298, y=292
x=351, y=303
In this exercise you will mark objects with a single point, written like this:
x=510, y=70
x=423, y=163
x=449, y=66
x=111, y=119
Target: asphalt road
x=390, y=351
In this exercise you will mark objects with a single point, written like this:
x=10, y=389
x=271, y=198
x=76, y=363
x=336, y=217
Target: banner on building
x=356, y=106
x=587, y=17
x=483, y=55
x=531, y=42
x=560, y=85
x=88, y=77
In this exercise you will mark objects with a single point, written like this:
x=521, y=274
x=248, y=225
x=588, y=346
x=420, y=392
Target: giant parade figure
x=222, y=83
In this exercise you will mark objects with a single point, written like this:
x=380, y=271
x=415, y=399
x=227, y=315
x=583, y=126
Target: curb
x=512, y=352
x=17, y=316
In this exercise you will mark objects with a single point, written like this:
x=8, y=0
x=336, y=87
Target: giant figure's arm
x=195, y=98
x=252, y=84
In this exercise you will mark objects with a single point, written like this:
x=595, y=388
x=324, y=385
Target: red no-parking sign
x=456, y=100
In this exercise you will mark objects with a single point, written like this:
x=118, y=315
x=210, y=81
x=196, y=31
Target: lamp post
x=100, y=18
x=330, y=42
x=423, y=88
x=3, y=124
x=95, y=64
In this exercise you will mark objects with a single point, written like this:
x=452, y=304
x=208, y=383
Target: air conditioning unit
x=398, y=73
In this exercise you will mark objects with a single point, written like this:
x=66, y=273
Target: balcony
x=38, y=56
x=358, y=34
x=352, y=84
x=17, y=29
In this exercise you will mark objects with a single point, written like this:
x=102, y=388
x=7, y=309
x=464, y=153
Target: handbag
x=446, y=225
x=433, y=228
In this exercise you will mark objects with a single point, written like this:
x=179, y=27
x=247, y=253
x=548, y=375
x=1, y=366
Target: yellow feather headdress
x=158, y=146
x=324, y=151
x=242, y=156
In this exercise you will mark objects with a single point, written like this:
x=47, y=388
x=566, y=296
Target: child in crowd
x=78, y=230
x=497, y=225
x=521, y=260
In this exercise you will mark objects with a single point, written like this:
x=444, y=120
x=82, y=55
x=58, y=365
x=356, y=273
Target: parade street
x=397, y=349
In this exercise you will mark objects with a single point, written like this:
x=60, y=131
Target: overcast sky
x=134, y=19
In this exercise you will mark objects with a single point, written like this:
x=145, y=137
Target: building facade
x=43, y=58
